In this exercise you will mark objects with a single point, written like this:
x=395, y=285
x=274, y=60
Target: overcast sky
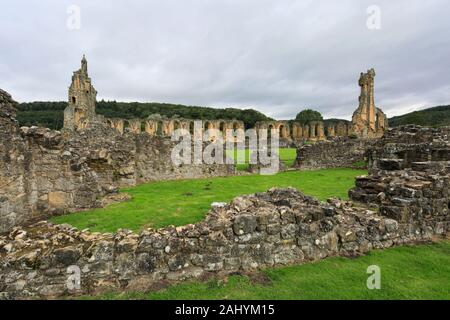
x=276, y=56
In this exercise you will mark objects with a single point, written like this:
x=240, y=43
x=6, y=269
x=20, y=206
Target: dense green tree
x=308, y=115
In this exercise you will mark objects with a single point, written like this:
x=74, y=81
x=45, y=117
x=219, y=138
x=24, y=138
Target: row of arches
x=167, y=127
x=314, y=130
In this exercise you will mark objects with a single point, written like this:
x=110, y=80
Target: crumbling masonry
x=407, y=204
x=407, y=196
x=81, y=114
x=368, y=121
x=405, y=199
x=45, y=172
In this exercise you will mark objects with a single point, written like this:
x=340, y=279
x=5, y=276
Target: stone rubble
x=45, y=172
x=278, y=227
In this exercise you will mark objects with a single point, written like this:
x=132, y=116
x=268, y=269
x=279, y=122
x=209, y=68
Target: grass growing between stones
x=419, y=272
x=182, y=202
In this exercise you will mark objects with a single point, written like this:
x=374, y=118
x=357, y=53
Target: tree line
x=51, y=114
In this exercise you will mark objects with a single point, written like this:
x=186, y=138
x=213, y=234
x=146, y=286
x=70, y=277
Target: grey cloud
x=274, y=56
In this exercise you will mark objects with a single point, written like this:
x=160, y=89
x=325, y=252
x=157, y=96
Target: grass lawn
x=287, y=155
x=182, y=202
x=420, y=272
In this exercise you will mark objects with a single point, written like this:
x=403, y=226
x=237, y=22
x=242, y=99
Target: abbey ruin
x=46, y=172
x=368, y=121
x=80, y=114
x=404, y=199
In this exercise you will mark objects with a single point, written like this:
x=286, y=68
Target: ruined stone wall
x=279, y=227
x=420, y=195
x=129, y=159
x=339, y=153
x=402, y=146
x=45, y=172
x=409, y=176
x=276, y=228
x=14, y=165
x=312, y=131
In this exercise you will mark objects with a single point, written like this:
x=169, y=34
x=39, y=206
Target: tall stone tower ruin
x=82, y=98
x=368, y=121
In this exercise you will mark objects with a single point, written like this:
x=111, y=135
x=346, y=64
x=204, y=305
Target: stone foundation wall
x=410, y=176
x=340, y=153
x=401, y=147
x=276, y=228
x=412, y=196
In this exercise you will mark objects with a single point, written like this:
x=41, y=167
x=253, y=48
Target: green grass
x=187, y=201
x=287, y=155
x=420, y=272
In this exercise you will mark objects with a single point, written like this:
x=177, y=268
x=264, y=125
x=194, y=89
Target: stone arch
x=185, y=125
x=117, y=124
x=297, y=131
x=120, y=126
x=150, y=127
x=341, y=129
x=330, y=131
x=160, y=128
x=282, y=131
x=223, y=127
x=135, y=126
x=236, y=125
x=126, y=126
x=208, y=125
x=312, y=130
x=270, y=127
x=175, y=125
x=306, y=131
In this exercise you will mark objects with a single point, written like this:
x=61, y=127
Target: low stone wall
x=412, y=196
x=279, y=227
x=339, y=153
x=410, y=176
x=45, y=172
x=400, y=147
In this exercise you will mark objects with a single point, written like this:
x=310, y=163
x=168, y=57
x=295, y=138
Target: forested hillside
x=51, y=114
x=433, y=117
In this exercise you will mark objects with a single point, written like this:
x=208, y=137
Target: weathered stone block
x=244, y=224
x=58, y=199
